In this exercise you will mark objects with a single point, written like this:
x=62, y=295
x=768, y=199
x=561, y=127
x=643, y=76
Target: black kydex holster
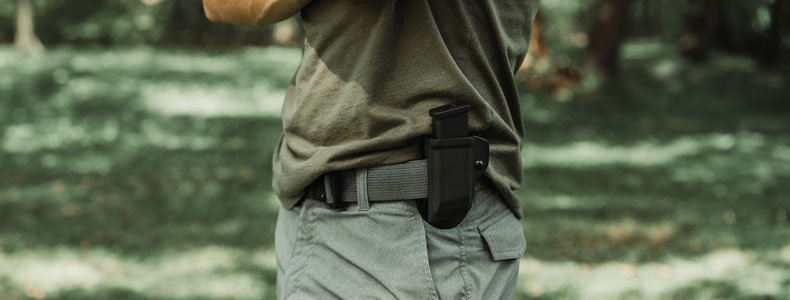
x=455, y=163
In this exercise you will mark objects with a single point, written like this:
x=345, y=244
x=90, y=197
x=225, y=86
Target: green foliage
x=158, y=163
x=7, y=19
x=80, y=21
x=740, y=26
x=128, y=23
x=83, y=148
x=743, y=27
x=674, y=141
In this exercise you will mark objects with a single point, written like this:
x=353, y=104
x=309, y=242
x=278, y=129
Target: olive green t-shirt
x=371, y=70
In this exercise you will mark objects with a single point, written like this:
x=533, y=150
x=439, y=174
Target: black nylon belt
x=405, y=181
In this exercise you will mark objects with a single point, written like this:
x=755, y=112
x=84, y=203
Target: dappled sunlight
x=63, y=132
x=133, y=60
x=153, y=134
x=666, y=69
x=659, y=280
x=647, y=50
x=214, y=272
x=212, y=101
x=590, y=153
x=646, y=153
x=56, y=133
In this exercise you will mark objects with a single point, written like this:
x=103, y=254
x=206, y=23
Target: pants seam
x=309, y=235
x=429, y=284
x=467, y=290
x=299, y=227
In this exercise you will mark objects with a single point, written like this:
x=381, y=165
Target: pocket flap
x=505, y=238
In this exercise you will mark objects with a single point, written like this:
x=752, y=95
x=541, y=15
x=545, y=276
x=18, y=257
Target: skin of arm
x=251, y=12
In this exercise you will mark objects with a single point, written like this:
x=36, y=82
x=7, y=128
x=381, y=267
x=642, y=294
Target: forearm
x=251, y=12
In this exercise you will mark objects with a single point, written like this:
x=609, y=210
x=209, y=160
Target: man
x=354, y=117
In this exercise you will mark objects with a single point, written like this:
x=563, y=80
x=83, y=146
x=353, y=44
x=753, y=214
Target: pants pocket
x=351, y=254
x=493, y=253
x=504, y=238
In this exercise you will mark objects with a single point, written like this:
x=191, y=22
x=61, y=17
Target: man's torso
x=371, y=70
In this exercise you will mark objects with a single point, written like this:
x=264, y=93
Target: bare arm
x=251, y=12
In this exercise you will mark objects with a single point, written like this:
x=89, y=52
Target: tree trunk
x=780, y=28
x=26, y=38
x=607, y=35
x=702, y=25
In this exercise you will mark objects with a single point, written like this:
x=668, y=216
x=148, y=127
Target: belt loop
x=362, y=189
x=328, y=195
x=329, y=191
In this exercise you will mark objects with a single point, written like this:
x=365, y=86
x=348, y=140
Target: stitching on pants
x=299, y=230
x=462, y=263
x=426, y=269
x=310, y=236
x=295, y=259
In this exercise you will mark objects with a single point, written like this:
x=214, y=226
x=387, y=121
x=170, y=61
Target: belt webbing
x=405, y=181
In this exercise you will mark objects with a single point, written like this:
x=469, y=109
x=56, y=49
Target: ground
x=137, y=173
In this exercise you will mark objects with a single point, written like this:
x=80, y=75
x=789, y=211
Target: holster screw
x=480, y=164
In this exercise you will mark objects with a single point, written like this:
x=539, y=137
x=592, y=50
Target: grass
x=145, y=173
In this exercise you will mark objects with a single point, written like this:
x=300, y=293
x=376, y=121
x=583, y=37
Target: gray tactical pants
x=384, y=250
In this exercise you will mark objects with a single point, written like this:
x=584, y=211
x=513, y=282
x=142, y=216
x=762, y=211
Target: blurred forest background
x=136, y=142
